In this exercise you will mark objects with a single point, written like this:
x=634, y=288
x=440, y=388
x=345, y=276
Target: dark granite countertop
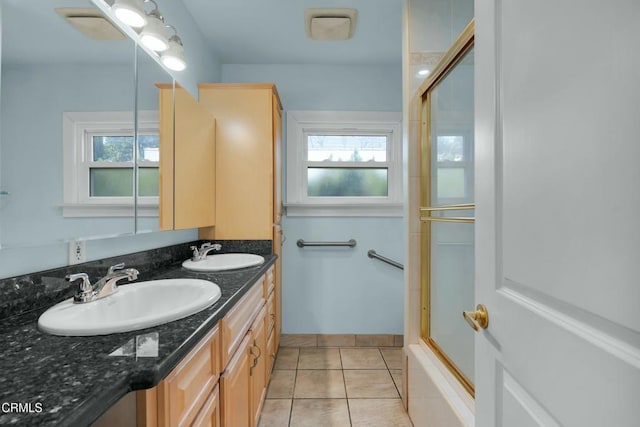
x=71, y=381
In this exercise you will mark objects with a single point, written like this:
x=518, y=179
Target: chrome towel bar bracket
x=301, y=243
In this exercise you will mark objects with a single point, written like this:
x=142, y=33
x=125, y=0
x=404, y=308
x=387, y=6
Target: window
x=343, y=164
x=98, y=164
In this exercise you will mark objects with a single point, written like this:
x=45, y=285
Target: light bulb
x=130, y=12
x=173, y=58
x=153, y=35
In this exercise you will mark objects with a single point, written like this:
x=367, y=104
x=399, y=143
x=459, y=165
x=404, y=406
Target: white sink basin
x=135, y=306
x=223, y=262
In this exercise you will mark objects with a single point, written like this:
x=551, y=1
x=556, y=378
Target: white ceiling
x=237, y=31
x=273, y=32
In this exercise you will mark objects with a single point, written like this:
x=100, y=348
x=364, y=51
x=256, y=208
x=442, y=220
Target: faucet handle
x=85, y=286
x=205, y=245
x=115, y=267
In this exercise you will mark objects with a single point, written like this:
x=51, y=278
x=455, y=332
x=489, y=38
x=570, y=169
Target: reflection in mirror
x=150, y=74
x=67, y=99
x=451, y=132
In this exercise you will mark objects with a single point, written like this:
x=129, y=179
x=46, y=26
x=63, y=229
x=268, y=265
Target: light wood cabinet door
x=247, y=158
x=236, y=388
x=271, y=313
x=259, y=358
x=271, y=351
x=178, y=399
x=187, y=161
x=209, y=416
x=277, y=288
x=186, y=388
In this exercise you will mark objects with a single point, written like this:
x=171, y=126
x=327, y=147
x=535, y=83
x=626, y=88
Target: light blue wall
x=34, y=98
x=202, y=64
x=326, y=87
x=337, y=290
x=341, y=290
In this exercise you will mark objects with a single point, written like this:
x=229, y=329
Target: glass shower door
x=447, y=215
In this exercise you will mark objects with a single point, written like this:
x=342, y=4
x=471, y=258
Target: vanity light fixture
x=131, y=12
x=153, y=35
x=173, y=57
x=152, y=31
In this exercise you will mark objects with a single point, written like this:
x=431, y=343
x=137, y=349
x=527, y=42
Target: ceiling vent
x=91, y=23
x=330, y=24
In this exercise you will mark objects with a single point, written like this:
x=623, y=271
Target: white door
x=558, y=212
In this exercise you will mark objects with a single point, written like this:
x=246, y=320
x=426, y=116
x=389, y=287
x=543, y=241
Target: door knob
x=478, y=319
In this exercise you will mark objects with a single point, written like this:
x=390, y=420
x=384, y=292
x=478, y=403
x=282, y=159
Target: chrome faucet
x=103, y=287
x=200, y=254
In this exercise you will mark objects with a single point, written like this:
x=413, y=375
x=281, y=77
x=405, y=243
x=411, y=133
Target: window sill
x=345, y=210
x=86, y=210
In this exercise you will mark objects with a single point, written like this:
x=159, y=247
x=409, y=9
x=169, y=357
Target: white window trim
x=76, y=202
x=300, y=123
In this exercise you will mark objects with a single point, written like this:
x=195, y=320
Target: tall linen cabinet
x=248, y=171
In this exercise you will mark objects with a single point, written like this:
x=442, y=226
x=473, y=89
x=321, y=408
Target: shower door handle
x=478, y=319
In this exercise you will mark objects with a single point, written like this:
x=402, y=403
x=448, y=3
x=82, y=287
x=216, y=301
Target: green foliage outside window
x=120, y=148
x=347, y=182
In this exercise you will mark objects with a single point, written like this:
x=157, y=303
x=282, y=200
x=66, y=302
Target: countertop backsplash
x=35, y=291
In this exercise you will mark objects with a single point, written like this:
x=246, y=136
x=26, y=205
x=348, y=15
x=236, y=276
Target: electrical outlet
x=77, y=252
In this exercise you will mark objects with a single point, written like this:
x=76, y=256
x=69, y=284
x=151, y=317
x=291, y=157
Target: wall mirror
x=150, y=76
x=68, y=96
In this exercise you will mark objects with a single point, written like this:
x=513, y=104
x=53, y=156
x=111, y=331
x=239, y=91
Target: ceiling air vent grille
x=91, y=23
x=330, y=24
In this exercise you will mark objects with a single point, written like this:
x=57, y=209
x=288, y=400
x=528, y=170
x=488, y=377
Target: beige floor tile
x=378, y=413
x=362, y=358
x=393, y=357
x=281, y=384
x=320, y=412
x=275, y=413
x=298, y=340
x=287, y=358
x=336, y=340
x=363, y=383
x=397, y=376
x=319, y=384
x=319, y=358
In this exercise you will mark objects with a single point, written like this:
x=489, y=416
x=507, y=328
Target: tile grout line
x=389, y=370
x=344, y=384
x=293, y=392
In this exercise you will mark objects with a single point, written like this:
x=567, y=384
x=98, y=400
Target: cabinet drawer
x=209, y=416
x=186, y=388
x=268, y=282
x=271, y=312
x=236, y=322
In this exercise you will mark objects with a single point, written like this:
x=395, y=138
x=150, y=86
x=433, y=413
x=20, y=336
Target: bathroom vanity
x=210, y=368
